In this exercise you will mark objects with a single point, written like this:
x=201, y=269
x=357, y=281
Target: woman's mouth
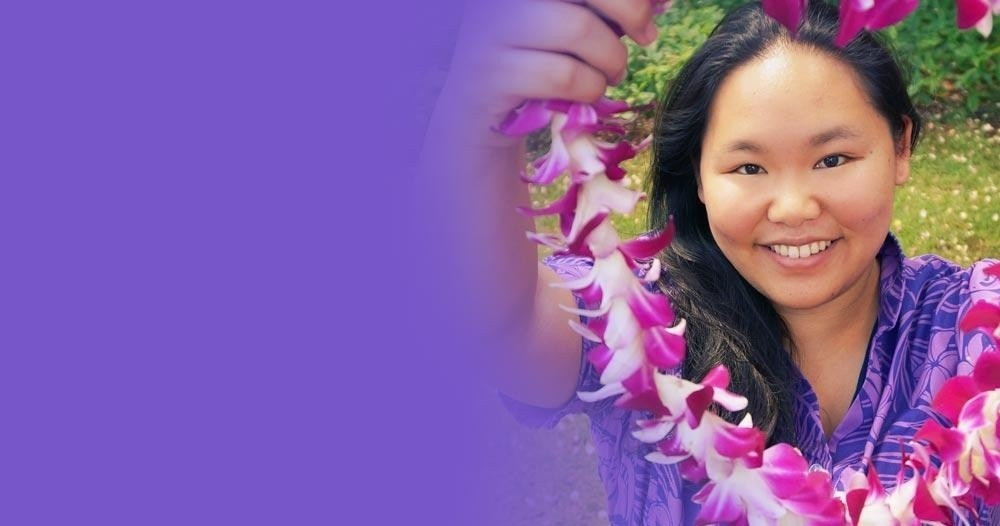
x=801, y=257
x=801, y=251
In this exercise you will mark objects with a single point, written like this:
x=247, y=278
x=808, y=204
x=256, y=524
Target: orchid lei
x=640, y=342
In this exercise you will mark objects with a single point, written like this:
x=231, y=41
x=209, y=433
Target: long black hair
x=729, y=321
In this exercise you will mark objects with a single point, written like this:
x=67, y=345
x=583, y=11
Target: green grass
x=950, y=206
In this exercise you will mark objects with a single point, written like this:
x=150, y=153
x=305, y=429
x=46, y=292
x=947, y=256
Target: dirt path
x=551, y=474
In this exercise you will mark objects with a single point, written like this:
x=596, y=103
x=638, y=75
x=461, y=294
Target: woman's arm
x=531, y=49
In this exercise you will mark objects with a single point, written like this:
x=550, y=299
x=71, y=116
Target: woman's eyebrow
x=837, y=132
x=743, y=146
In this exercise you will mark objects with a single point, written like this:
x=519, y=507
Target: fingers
x=571, y=29
x=532, y=74
x=634, y=16
x=543, y=49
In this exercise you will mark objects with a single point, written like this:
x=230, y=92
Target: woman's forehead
x=791, y=93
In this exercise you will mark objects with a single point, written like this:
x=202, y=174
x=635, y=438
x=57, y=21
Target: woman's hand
x=542, y=49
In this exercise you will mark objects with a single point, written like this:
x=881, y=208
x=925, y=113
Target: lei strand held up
x=639, y=339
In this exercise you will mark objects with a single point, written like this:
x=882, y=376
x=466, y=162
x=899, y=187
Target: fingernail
x=651, y=33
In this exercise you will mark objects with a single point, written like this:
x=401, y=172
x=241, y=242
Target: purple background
x=207, y=313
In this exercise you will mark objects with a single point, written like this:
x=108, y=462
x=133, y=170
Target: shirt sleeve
x=567, y=268
x=981, y=287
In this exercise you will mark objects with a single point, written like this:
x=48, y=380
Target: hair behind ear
x=904, y=143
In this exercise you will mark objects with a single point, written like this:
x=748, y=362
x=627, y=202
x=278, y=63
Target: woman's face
x=797, y=174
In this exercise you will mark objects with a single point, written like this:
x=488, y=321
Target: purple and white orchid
x=856, y=15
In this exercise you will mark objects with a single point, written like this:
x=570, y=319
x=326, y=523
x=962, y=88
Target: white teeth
x=804, y=251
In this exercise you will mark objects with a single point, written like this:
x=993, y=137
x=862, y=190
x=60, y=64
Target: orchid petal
x=698, y=403
x=972, y=415
x=981, y=314
x=888, y=12
x=969, y=12
x=654, y=432
x=575, y=242
x=787, y=12
x=985, y=26
x=548, y=240
x=641, y=393
x=565, y=204
x=529, y=117
x=624, y=362
x=600, y=356
x=653, y=274
x=718, y=376
x=729, y=400
x=855, y=500
x=605, y=106
x=874, y=484
x=584, y=331
x=953, y=395
x=783, y=470
x=590, y=313
x=718, y=504
x=924, y=506
x=664, y=349
x=591, y=294
x=615, y=155
x=852, y=21
x=660, y=458
x=644, y=248
x=550, y=166
x=603, y=241
x=815, y=497
x=650, y=309
x=947, y=442
x=734, y=442
x=602, y=393
x=586, y=161
x=579, y=117
x=692, y=470
x=579, y=283
x=987, y=371
x=622, y=328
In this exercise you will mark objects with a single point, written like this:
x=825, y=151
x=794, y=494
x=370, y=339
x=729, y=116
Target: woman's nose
x=792, y=204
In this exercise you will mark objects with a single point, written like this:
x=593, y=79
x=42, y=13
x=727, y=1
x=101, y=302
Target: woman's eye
x=831, y=161
x=749, y=169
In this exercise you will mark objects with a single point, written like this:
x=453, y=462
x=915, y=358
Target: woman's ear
x=697, y=179
x=903, y=151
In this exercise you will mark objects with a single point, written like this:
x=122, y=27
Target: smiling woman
x=824, y=172
x=822, y=175
x=777, y=154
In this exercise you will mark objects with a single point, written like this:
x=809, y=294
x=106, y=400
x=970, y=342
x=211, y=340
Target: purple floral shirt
x=916, y=346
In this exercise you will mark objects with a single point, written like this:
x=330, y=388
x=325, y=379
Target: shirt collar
x=890, y=258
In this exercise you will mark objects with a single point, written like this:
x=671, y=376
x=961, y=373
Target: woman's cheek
x=862, y=206
x=732, y=214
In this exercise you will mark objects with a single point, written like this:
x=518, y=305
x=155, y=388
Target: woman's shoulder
x=934, y=270
x=933, y=291
x=937, y=295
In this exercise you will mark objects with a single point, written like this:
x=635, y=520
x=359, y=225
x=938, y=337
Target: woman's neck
x=838, y=331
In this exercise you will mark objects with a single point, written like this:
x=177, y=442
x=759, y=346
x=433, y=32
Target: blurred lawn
x=950, y=206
